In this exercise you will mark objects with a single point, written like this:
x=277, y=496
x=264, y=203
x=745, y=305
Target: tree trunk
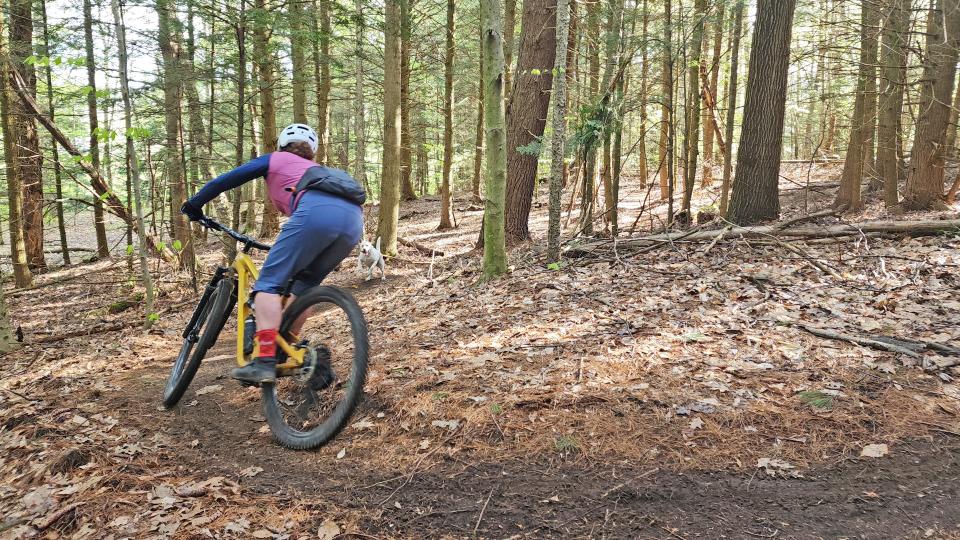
x=642, y=165
x=172, y=86
x=265, y=62
x=870, y=32
x=896, y=19
x=446, y=185
x=691, y=149
x=590, y=155
x=509, y=26
x=359, y=114
x=321, y=72
x=668, y=132
x=390, y=180
x=611, y=63
x=924, y=189
x=298, y=60
x=132, y=159
x=755, y=187
x=22, y=276
x=527, y=111
x=494, y=245
x=559, y=131
x=57, y=170
x=855, y=164
x=406, y=155
x=737, y=31
x=478, y=139
x=241, y=84
x=954, y=121
x=710, y=98
x=29, y=159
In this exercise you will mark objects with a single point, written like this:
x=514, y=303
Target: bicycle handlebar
x=247, y=241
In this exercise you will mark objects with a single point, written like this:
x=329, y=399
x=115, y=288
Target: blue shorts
x=321, y=232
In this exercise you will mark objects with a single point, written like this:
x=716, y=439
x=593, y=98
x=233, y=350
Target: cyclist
x=326, y=222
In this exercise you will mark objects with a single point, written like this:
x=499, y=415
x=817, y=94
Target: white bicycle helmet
x=298, y=133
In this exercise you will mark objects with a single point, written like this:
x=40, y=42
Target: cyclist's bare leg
x=269, y=308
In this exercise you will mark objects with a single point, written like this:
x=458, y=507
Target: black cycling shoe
x=261, y=370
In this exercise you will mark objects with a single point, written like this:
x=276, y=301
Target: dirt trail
x=582, y=410
x=913, y=494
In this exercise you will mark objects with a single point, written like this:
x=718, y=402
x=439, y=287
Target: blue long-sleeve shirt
x=251, y=170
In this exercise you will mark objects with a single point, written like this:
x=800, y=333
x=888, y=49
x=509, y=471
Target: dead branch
x=914, y=228
x=860, y=340
x=85, y=332
x=100, y=187
x=419, y=247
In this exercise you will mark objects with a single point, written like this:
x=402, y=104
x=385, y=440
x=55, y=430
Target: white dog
x=370, y=258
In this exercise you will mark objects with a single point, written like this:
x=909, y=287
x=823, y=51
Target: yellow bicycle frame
x=247, y=273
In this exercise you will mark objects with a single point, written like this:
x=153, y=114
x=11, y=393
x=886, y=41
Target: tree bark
x=557, y=152
x=855, y=165
x=896, y=19
x=390, y=178
x=240, y=31
x=172, y=88
x=321, y=63
x=587, y=202
x=612, y=62
x=527, y=110
x=954, y=121
x=478, y=139
x=132, y=160
x=710, y=98
x=509, y=27
x=298, y=60
x=494, y=241
x=737, y=31
x=359, y=115
x=446, y=185
x=29, y=159
x=57, y=169
x=265, y=62
x=22, y=276
x=642, y=165
x=406, y=154
x=691, y=149
x=756, y=185
x=924, y=189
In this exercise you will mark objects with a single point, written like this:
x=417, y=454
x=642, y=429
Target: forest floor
x=666, y=394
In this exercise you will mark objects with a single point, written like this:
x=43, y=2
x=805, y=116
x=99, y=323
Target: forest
x=662, y=269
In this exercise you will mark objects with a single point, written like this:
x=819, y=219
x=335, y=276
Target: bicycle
x=305, y=408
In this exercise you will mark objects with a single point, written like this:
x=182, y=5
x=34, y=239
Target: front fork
x=190, y=331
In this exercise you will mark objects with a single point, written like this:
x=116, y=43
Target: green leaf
x=105, y=195
x=535, y=72
x=816, y=399
x=129, y=249
x=137, y=133
x=177, y=245
x=694, y=336
x=553, y=266
x=30, y=60
x=153, y=317
x=161, y=246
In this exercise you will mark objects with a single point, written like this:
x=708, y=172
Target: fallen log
x=917, y=228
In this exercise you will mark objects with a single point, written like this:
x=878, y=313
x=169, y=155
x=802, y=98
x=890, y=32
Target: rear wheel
x=307, y=409
x=200, y=338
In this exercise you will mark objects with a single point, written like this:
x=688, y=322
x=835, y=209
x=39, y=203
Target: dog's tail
x=378, y=243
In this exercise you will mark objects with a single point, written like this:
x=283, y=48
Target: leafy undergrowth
x=678, y=359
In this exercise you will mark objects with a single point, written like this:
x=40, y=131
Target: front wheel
x=307, y=409
x=206, y=328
